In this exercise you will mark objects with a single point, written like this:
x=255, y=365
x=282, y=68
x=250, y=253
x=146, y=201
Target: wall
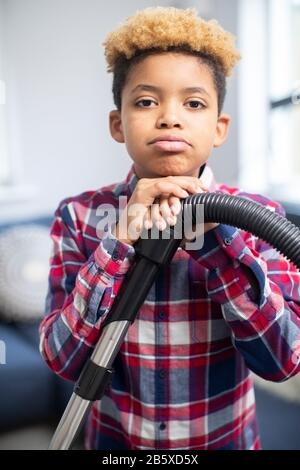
x=59, y=96
x=224, y=160
x=3, y=120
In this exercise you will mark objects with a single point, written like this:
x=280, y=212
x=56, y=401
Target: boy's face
x=169, y=96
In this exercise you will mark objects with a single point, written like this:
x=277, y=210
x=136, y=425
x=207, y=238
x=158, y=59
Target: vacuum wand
x=96, y=374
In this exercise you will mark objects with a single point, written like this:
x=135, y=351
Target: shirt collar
x=207, y=178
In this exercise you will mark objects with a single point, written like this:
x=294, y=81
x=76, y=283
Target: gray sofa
x=30, y=392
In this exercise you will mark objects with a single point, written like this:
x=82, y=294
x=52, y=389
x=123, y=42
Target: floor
x=36, y=437
x=279, y=422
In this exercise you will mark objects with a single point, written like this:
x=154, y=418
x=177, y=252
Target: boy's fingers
x=156, y=216
x=166, y=212
x=168, y=185
x=147, y=221
x=189, y=183
x=164, y=207
x=160, y=202
x=175, y=205
x=162, y=188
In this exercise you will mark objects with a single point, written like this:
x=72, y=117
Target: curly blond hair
x=164, y=27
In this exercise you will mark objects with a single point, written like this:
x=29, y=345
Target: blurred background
x=55, y=96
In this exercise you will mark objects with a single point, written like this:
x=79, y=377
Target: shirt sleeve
x=265, y=330
x=80, y=293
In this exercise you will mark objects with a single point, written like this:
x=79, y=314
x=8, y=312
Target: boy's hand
x=166, y=193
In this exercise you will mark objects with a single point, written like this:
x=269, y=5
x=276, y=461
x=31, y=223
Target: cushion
x=26, y=384
x=24, y=267
x=29, y=331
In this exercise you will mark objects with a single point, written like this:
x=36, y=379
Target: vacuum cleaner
x=151, y=254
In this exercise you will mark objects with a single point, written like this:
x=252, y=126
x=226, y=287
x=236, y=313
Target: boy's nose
x=168, y=120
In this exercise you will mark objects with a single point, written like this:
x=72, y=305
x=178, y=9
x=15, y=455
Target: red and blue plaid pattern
x=182, y=377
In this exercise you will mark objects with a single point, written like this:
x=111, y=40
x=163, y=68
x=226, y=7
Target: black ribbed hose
x=250, y=216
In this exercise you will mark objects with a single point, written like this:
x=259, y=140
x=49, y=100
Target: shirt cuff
x=220, y=246
x=222, y=253
x=113, y=256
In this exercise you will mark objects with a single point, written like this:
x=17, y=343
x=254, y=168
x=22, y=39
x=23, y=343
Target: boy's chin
x=162, y=170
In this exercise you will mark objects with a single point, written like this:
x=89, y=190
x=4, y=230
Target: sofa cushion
x=63, y=388
x=29, y=332
x=24, y=268
x=27, y=386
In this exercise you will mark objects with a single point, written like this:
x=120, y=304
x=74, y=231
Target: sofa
x=30, y=392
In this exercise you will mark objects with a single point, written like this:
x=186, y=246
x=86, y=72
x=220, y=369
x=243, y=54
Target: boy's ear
x=222, y=129
x=115, y=126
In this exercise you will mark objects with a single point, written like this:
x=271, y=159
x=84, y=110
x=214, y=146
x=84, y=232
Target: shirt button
x=162, y=426
x=161, y=315
x=227, y=241
x=162, y=374
x=115, y=256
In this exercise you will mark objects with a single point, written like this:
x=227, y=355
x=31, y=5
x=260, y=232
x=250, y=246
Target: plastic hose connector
x=250, y=216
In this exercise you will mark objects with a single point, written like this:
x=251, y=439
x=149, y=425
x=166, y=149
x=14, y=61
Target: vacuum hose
x=250, y=216
x=151, y=254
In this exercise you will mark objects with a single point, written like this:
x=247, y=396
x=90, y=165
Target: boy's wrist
x=116, y=234
x=216, y=252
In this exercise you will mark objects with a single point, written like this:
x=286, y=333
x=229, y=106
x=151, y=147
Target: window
x=269, y=97
x=284, y=37
x=253, y=106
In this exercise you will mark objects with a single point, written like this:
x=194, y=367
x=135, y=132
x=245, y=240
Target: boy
x=182, y=377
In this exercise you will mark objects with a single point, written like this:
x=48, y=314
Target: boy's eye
x=148, y=102
x=195, y=104
x=145, y=103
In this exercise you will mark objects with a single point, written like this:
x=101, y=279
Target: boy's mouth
x=170, y=143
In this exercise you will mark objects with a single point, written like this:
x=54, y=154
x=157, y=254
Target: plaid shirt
x=182, y=377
